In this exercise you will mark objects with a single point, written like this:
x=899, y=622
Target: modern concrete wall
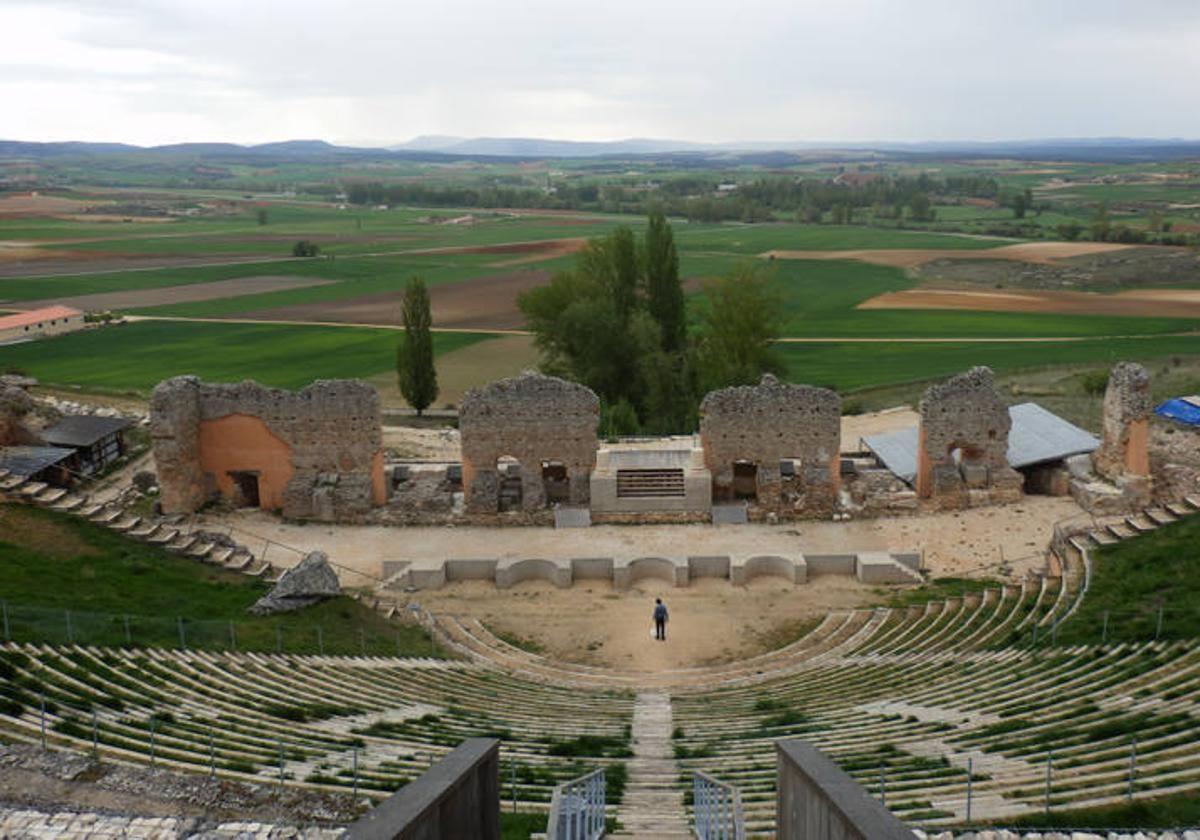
x=794, y=570
x=708, y=567
x=511, y=572
x=457, y=797
x=816, y=800
x=623, y=572
x=830, y=564
x=628, y=572
x=591, y=568
x=470, y=569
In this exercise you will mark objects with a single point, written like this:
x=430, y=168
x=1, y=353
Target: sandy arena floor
x=711, y=621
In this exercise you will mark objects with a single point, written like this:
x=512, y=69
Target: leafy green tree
x=664, y=292
x=1018, y=206
x=738, y=329
x=920, y=208
x=261, y=215
x=414, y=356
x=304, y=248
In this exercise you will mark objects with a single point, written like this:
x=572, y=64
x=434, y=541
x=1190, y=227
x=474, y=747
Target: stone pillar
x=1123, y=457
x=175, y=436
x=579, y=481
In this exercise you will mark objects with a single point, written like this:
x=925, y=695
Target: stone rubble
x=303, y=585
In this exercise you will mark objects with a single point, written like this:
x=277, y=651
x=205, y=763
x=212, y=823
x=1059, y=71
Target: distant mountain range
x=442, y=148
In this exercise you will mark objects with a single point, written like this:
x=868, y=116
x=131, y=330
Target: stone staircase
x=653, y=805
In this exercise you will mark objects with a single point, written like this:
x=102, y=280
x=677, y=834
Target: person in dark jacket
x=660, y=620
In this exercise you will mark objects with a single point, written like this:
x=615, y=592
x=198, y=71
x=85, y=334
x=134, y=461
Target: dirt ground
x=1033, y=252
x=712, y=620
x=1147, y=303
x=482, y=303
x=876, y=422
x=220, y=289
x=33, y=204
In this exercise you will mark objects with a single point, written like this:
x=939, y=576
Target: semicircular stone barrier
x=769, y=565
x=511, y=572
x=627, y=572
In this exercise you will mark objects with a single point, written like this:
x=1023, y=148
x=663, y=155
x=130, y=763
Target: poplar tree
x=664, y=292
x=414, y=356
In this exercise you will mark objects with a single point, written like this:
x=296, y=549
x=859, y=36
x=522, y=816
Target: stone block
x=974, y=476
x=729, y=514
x=469, y=569
x=592, y=568
x=830, y=564
x=572, y=517
x=708, y=567
x=878, y=567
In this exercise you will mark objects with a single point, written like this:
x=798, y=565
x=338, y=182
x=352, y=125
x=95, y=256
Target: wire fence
x=289, y=633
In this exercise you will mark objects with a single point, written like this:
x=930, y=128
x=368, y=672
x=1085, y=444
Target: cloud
x=170, y=70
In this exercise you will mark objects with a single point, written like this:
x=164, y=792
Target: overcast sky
x=360, y=71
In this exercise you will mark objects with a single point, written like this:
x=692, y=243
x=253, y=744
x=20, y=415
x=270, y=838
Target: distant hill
x=681, y=152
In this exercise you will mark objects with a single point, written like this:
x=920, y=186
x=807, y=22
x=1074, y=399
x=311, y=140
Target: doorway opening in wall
x=508, y=484
x=245, y=489
x=555, y=482
x=745, y=480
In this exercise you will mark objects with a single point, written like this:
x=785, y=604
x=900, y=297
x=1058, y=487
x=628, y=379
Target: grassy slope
x=137, y=356
x=113, y=576
x=1133, y=579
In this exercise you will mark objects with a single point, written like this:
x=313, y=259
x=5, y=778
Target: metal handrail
x=577, y=809
x=718, y=809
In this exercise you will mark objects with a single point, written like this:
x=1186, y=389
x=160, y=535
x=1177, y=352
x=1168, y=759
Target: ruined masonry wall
x=1127, y=408
x=532, y=418
x=771, y=422
x=332, y=430
x=965, y=413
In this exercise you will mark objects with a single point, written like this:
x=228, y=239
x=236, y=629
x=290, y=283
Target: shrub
x=1094, y=383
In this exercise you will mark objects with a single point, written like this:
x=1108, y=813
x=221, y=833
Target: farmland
x=856, y=297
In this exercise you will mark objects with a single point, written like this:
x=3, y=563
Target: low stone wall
x=678, y=571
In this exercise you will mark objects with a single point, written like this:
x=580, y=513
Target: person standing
x=660, y=620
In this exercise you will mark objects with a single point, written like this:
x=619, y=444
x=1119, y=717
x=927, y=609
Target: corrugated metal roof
x=36, y=316
x=1037, y=436
x=83, y=430
x=31, y=460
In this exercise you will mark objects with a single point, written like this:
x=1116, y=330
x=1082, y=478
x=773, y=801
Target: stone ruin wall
x=768, y=423
x=532, y=418
x=332, y=431
x=965, y=414
x=18, y=418
x=1123, y=457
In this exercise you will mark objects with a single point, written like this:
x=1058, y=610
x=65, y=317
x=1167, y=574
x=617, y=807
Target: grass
x=1182, y=809
x=850, y=366
x=939, y=589
x=1132, y=580
x=820, y=297
x=135, y=357
x=109, y=577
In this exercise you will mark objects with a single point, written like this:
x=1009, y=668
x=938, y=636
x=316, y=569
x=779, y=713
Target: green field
x=849, y=366
x=136, y=356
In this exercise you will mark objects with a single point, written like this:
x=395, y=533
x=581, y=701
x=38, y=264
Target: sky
x=378, y=73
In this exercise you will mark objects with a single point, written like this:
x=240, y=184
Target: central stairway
x=652, y=806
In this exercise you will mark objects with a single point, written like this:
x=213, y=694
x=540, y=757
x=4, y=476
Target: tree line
x=618, y=323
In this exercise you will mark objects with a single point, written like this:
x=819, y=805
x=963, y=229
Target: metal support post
x=970, y=779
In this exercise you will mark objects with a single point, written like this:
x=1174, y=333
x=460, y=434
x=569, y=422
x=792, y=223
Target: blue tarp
x=1183, y=409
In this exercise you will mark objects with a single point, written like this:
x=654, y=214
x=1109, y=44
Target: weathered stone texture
x=17, y=410
x=1124, y=448
x=534, y=419
x=303, y=585
x=768, y=423
x=331, y=429
x=964, y=414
